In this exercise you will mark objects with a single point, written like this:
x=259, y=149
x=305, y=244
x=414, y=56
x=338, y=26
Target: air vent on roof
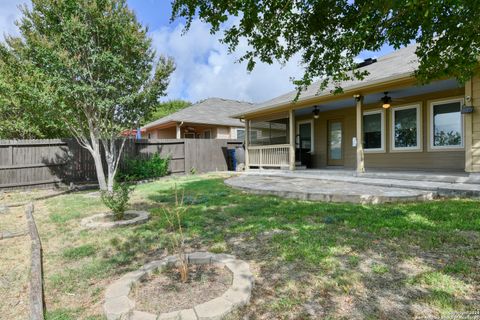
x=366, y=62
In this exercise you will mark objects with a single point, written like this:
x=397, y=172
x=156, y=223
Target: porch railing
x=269, y=156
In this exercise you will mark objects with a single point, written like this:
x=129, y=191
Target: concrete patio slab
x=326, y=190
x=441, y=185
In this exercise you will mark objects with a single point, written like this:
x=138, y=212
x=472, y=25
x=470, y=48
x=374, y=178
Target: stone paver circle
x=95, y=221
x=118, y=305
x=326, y=190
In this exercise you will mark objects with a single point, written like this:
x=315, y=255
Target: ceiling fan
x=387, y=100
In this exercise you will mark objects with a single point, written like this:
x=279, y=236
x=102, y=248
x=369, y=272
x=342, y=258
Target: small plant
x=117, y=200
x=174, y=220
x=193, y=171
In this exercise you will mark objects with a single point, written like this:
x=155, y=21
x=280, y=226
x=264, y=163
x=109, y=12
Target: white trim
x=312, y=143
x=432, y=104
x=419, y=147
x=383, y=132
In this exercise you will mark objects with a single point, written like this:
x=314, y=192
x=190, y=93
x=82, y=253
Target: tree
x=330, y=34
x=163, y=109
x=25, y=111
x=94, y=64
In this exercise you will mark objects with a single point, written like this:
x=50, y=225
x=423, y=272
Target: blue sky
x=204, y=67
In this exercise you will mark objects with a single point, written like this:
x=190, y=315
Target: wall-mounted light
x=316, y=113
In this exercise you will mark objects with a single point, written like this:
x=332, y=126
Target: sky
x=204, y=66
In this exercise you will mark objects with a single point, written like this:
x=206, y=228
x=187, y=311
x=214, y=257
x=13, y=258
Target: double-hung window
x=374, y=131
x=446, y=124
x=406, y=129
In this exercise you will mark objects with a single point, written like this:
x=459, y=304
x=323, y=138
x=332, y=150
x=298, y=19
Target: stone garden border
x=118, y=305
x=93, y=222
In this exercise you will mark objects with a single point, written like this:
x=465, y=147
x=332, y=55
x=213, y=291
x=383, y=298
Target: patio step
x=419, y=176
x=441, y=188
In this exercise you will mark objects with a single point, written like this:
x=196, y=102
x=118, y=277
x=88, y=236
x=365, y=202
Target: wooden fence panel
x=25, y=163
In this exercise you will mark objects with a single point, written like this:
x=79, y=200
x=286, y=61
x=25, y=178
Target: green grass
x=304, y=251
x=79, y=252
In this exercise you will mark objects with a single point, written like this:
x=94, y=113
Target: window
x=446, y=124
x=207, y=134
x=374, y=131
x=406, y=128
x=189, y=135
x=269, y=132
x=241, y=134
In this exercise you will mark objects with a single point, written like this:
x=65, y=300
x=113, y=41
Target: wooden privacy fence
x=26, y=163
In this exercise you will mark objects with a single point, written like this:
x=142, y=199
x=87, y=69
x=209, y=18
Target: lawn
x=311, y=260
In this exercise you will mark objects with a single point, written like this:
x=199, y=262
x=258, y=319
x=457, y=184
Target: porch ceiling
x=375, y=97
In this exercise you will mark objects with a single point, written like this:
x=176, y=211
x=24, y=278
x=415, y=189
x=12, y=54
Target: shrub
x=117, y=200
x=140, y=169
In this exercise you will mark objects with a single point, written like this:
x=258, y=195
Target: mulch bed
x=164, y=292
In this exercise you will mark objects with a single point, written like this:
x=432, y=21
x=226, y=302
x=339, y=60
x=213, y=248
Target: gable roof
x=396, y=65
x=211, y=111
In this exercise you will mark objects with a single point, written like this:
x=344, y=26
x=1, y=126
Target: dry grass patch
x=14, y=267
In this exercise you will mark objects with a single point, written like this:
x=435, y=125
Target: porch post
x=178, y=132
x=468, y=129
x=247, y=143
x=291, y=118
x=360, y=154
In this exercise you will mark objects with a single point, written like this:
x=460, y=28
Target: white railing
x=269, y=156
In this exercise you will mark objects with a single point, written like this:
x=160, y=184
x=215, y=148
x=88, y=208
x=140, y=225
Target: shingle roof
x=212, y=111
x=398, y=64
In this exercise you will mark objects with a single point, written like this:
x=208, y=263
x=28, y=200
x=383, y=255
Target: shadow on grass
x=314, y=260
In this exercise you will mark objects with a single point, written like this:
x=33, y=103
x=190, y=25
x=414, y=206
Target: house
x=207, y=119
x=384, y=122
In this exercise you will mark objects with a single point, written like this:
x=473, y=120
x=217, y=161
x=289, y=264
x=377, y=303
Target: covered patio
x=421, y=128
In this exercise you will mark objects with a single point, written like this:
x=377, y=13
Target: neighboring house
x=208, y=119
x=386, y=121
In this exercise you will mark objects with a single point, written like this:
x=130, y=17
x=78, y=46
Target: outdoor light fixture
x=316, y=113
x=386, y=101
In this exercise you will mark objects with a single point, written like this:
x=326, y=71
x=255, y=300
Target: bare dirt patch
x=164, y=292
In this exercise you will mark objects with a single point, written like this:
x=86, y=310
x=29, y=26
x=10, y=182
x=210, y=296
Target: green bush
x=117, y=200
x=140, y=169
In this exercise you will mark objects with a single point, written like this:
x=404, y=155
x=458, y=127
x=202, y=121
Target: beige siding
x=476, y=124
x=223, y=133
x=431, y=160
x=167, y=133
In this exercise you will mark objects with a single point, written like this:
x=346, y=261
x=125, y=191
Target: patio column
x=360, y=154
x=291, y=118
x=468, y=129
x=178, y=132
x=247, y=143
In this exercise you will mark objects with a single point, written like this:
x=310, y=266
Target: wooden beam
x=360, y=154
x=291, y=121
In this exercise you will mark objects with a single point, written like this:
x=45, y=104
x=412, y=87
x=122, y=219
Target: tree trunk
x=97, y=158
x=111, y=175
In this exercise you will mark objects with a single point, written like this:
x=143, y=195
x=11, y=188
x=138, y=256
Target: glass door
x=305, y=136
x=335, y=143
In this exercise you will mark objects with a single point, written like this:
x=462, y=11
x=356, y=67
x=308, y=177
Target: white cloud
x=9, y=13
x=206, y=69
x=204, y=66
